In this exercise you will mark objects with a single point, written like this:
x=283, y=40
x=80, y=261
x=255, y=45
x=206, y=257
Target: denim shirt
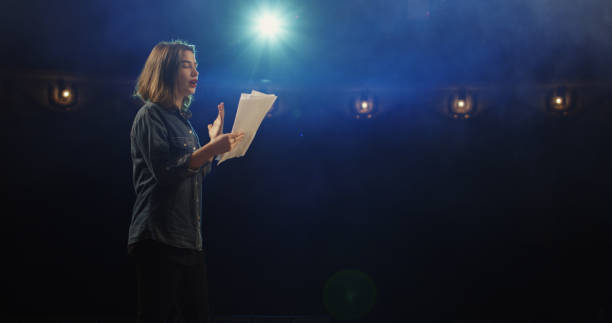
x=168, y=206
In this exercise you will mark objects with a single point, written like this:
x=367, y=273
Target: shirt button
x=190, y=131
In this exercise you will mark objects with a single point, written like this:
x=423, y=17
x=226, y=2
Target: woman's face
x=187, y=78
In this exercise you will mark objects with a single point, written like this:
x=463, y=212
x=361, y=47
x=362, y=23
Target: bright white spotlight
x=364, y=105
x=269, y=25
x=66, y=93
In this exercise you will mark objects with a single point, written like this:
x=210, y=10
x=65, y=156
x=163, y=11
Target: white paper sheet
x=252, y=109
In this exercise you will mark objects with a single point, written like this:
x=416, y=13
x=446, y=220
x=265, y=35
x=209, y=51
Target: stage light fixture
x=461, y=105
x=62, y=95
x=363, y=107
x=560, y=101
x=269, y=26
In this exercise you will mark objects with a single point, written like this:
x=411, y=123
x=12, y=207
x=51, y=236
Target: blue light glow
x=269, y=26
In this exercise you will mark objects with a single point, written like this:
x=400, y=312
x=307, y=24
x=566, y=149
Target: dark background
x=501, y=216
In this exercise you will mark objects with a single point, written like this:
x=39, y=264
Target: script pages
x=252, y=109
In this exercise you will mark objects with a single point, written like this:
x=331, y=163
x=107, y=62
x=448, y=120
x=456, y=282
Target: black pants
x=171, y=283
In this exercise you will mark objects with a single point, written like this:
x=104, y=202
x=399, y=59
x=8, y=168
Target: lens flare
x=349, y=294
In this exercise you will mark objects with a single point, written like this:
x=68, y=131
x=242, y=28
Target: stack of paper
x=252, y=109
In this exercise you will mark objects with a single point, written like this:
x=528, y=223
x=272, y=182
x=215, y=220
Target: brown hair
x=157, y=81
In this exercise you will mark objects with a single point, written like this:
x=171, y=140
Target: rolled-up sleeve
x=150, y=137
x=207, y=168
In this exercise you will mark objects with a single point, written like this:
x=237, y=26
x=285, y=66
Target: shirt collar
x=184, y=112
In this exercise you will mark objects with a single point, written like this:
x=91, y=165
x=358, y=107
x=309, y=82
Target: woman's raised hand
x=216, y=128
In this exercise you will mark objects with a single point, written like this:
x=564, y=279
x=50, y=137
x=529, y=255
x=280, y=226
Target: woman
x=165, y=238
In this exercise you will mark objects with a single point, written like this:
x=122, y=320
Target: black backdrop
x=501, y=216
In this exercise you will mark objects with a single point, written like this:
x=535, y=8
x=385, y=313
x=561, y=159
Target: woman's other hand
x=225, y=142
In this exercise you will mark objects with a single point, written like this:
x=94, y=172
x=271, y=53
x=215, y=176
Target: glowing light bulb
x=364, y=105
x=66, y=93
x=462, y=105
x=269, y=25
x=559, y=100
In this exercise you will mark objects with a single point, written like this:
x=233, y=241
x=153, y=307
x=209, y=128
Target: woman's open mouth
x=193, y=83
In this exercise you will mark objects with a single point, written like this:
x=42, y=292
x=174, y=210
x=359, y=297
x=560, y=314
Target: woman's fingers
x=235, y=138
x=221, y=108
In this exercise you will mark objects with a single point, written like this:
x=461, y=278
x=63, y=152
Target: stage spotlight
x=560, y=101
x=269, y=26
x=363, y=107
x=461, y=105
x=62, y=95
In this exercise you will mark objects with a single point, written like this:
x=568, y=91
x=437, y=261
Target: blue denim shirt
x=168, y=206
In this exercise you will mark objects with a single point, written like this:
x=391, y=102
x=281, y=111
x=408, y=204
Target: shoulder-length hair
x=157, y=81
